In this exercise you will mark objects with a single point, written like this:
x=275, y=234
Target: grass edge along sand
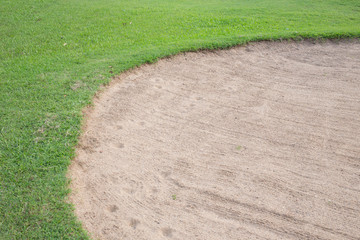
x=56, y=54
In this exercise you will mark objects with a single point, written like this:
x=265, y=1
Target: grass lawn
x=54, y=55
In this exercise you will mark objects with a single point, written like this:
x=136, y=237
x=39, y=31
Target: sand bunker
x=257, y=142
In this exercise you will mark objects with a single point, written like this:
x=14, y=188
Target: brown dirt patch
x=256, y=142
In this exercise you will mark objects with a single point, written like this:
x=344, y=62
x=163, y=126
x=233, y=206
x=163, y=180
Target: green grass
x=54, y=55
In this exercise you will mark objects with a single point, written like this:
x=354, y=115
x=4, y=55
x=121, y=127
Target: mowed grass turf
x=54, y=55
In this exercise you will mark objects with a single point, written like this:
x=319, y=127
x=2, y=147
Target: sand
x=256, y=142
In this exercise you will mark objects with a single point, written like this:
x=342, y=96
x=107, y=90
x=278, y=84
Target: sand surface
x=256, y=142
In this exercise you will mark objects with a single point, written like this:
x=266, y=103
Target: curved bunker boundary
x=256, y=142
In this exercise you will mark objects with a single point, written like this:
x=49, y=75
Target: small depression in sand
x=256, y=142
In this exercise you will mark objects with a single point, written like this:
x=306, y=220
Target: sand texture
x=256, y=142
